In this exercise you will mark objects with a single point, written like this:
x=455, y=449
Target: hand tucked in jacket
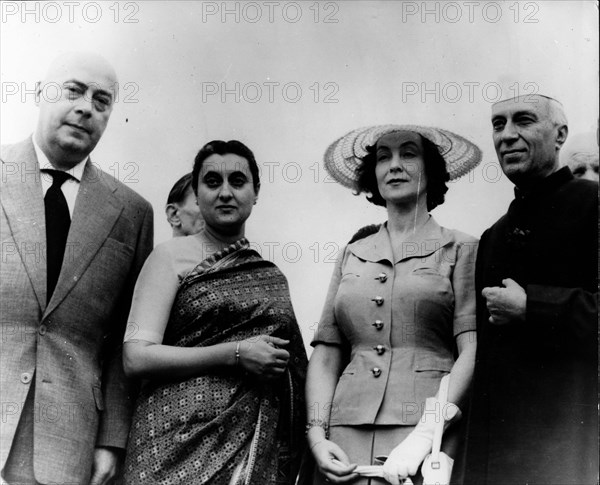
x=506, y=304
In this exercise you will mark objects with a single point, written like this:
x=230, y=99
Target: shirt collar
x=426, y=240
x=76, y=172
x=547, y=184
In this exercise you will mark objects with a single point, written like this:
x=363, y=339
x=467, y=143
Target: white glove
x=404, y=460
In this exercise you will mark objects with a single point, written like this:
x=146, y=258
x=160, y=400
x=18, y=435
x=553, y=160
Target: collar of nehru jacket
x=546, y=185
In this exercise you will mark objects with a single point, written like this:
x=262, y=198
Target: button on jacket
x=398, y=319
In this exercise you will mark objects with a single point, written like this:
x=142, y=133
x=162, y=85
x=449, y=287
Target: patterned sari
x=226, y=428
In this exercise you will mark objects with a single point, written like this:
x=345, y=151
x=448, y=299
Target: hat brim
x=345, y=155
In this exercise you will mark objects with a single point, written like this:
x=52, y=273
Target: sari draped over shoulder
x=228, y=427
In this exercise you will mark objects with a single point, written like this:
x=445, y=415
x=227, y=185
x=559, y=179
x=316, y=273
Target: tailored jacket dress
x=397, y=319
x=69, y=348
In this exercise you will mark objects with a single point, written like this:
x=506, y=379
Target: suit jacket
x=70, y=346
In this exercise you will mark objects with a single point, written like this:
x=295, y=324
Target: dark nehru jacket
x=534, y=409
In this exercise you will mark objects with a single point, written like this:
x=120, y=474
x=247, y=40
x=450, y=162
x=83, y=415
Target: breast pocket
x=116, y=256
x=430, y=283
x=427, y=271
x=106, y=276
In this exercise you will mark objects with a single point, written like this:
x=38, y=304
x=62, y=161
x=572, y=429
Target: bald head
x=581, y=155
x=64, y=64
x=75, y=99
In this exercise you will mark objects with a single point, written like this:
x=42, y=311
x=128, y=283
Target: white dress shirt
x=70, y=187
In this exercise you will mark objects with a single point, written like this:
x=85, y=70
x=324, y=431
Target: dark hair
x=435, y=171
x=177, y=193
x=220, y=147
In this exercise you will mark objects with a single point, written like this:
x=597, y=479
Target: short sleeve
x=463, y=283
x=153, y=297
x=328, y=331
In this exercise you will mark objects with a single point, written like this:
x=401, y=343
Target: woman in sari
x=400, y=308
x=213, y=335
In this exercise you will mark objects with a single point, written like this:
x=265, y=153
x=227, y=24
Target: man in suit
x=73, y=242
x=533, y=417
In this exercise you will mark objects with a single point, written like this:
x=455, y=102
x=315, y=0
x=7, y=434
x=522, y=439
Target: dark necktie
x=58, y=221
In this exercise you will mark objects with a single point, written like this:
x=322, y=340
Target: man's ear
x=172, y=215
x=561, y=137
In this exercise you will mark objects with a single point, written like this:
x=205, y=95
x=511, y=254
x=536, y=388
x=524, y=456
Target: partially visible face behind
x=526, y=138
x=225, y=192
x=189, y=214
x=400, y=168
x=75, y=103
x=584, y=165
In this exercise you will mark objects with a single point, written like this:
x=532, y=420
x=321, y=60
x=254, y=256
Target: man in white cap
x=533, y=416
x=74, y=240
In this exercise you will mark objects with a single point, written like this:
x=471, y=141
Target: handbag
x=437, y=466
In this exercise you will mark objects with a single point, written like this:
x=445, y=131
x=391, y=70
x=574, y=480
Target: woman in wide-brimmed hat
x=400, y=311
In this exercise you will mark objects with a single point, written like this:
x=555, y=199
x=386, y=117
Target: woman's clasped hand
x=263, y=356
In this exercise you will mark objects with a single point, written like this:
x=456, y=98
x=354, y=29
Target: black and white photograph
x=299, y=242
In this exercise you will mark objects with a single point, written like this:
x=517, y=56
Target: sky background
x=287, y=79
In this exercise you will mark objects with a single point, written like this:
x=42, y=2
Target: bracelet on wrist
x=318, y=423
x=237, y=354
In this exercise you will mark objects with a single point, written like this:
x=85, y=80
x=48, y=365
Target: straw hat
x=345, y=155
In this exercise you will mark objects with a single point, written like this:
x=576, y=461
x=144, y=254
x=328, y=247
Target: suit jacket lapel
x=23, y=202
x=96, y=212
